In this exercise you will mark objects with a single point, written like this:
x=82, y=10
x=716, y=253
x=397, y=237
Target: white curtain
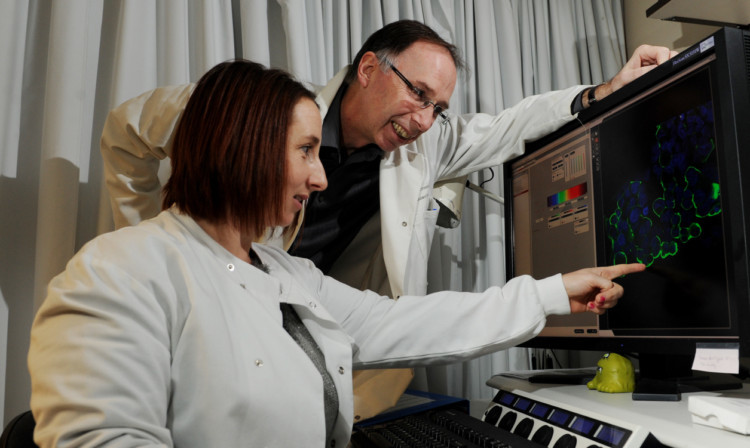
x=66, y=63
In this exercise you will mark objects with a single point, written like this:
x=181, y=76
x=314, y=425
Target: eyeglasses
x=438, y=111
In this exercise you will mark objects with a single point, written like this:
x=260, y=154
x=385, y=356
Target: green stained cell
x=620, y=258
x=715, y=191
x=684, y=235
x=691, y=171
x=646, y=259
x=708, y=154
x=676, y=219
x=658, y=206
x=613, y=219
x=656, y=244
x=695, y=230
x=668, y=249
x=688, y=205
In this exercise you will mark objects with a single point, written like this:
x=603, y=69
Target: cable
x=491, y=177
x=554, y=356
x=485, y=193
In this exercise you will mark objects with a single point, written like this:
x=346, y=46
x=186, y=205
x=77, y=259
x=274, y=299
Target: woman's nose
x=318, y=180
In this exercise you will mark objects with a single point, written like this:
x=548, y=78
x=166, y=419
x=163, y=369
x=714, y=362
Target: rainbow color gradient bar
x=567, y=195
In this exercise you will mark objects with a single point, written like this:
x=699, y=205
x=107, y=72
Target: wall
x=640, y=29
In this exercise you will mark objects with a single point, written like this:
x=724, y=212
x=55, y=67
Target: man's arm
x=136, y=137
x=476, y=141
x=644, y=59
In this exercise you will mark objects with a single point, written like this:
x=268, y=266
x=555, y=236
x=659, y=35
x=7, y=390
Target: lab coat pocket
x=429, y=223
x=415, y=275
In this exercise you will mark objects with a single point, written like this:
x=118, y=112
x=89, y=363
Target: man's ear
x=367, y=65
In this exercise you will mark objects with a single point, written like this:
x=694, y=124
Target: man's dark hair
x=389, y=41
x=229, y=151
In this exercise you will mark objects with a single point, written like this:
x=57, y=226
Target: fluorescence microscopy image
x=666, y=208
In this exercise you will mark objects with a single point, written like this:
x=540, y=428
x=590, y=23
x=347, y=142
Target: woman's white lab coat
x=155, y=335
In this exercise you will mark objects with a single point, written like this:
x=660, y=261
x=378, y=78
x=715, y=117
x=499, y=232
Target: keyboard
x=450, y=428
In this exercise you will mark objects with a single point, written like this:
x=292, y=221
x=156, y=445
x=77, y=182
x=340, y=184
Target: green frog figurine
x=614, y=374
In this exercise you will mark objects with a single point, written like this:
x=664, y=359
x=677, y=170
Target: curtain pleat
x=66, y=133
x=171, y=58
x=72, y=61
x=13, y=32
x=253, y=18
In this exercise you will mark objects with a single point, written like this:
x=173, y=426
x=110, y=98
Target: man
x=372, y=228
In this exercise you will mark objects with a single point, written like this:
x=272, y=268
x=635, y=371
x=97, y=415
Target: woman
x=183, y=331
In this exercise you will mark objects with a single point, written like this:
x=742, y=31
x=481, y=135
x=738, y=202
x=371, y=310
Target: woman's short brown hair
x=228, y=156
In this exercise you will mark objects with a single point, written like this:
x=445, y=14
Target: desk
x=669, y=422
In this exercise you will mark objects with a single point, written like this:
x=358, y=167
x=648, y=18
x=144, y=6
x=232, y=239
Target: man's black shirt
x=333, y=217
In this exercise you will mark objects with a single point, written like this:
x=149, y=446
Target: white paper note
x=719, y=358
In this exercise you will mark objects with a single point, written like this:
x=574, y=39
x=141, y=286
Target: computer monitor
x=658, y=173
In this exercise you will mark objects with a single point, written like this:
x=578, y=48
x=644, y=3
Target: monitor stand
x=667, y=377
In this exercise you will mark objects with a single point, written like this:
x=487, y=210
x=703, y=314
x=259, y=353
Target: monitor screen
x=652, y=176
x=661, y=205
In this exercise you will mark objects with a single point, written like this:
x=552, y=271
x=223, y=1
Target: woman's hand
x=592, y=289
